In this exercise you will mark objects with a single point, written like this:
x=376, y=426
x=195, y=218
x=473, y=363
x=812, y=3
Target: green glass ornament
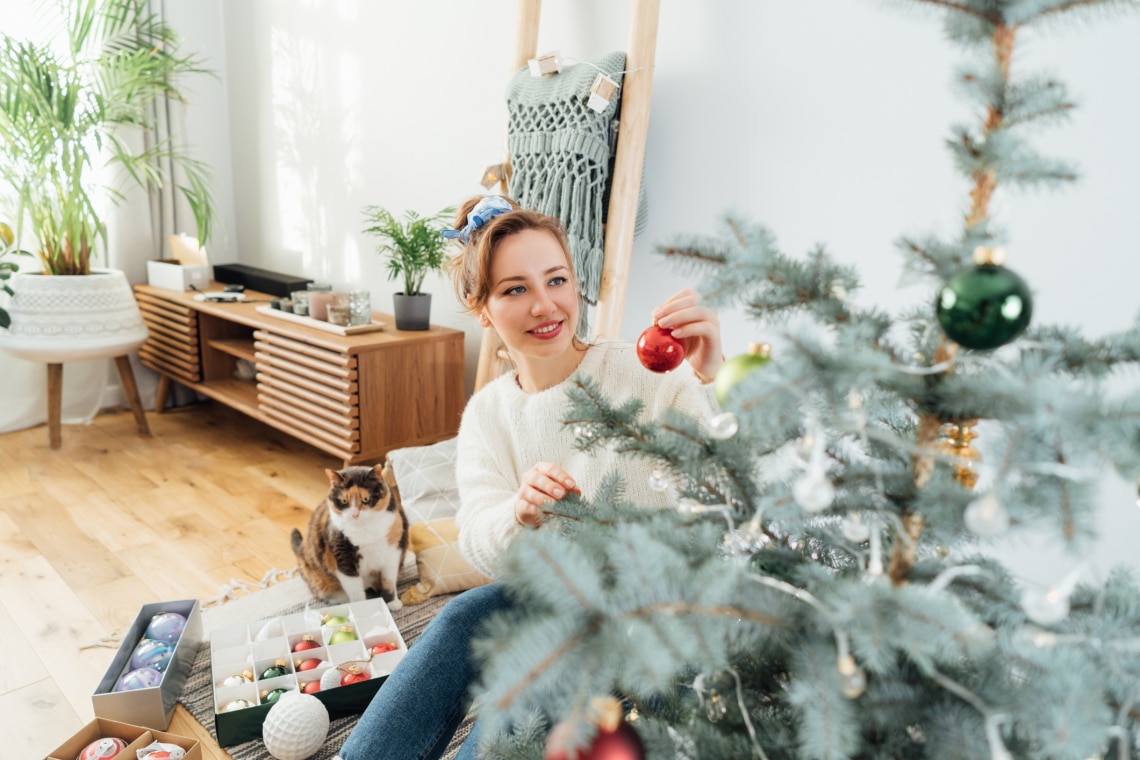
x=739, y=367
x=280, y=668
x=986, y=306
x=334, y=620
x=344, y=634
x=270, y=696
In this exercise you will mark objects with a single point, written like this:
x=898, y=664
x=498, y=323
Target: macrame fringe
x=228, y=592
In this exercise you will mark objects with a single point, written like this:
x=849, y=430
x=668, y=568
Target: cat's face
x=354, y=491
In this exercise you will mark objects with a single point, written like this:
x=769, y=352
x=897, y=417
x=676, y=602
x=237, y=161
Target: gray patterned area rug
x=281, y=599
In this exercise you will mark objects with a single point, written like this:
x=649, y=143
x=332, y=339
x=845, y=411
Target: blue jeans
x=416, y=711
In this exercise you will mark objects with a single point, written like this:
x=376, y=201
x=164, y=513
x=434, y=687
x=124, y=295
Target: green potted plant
x=65, y=110
x=413, y=247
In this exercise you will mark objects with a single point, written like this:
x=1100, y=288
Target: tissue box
x=172, y=275
x=150, y=707
x=257, y=647
x=136, y=738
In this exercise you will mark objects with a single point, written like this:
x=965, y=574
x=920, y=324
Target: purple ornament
x=152, y=653
x=166, y=626
x=142, y=678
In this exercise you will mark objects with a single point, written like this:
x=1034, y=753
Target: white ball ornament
x=330, y=679
x=296, y=726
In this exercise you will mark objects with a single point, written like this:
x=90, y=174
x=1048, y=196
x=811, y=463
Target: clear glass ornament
x=715, y=707
x=814, y=492
x=854, y=679
x=986, y=517
x=855, y=530
x=804, y=447
x=723, y=426
x=658, y=482
x=1045, y=606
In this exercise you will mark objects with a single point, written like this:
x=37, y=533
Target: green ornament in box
x=986, y=306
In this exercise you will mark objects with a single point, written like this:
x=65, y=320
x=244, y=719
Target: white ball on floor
x=296, y=726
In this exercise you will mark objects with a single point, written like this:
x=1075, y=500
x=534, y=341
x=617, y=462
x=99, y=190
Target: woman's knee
x=469, y=608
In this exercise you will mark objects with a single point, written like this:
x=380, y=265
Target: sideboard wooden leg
x=54, y=403
x=161, y=394
x=127, y=376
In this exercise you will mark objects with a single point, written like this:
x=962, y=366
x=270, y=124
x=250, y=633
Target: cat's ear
x=378, y=470
x=335, y=478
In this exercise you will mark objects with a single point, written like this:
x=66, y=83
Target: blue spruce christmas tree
x=819, y=591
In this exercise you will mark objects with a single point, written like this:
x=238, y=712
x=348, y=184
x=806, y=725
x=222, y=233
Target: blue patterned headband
x=485, y=210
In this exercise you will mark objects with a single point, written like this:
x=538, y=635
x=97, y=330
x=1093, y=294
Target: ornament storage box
x=150, y=707
x=260, y=646
x=136, y=738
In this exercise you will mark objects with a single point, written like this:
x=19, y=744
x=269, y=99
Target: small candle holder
x=339, y=315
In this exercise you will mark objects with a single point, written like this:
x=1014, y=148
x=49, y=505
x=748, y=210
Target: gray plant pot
x=412, y=312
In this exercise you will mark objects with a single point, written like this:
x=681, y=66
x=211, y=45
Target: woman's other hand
x=698, y=327
x=542, y=483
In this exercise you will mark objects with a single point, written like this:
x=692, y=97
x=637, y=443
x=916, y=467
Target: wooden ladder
x=637, y=92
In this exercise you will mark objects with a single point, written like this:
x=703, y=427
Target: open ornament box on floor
x=257, y=647
x=153, y=706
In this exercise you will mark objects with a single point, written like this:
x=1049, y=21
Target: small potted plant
x=413, y=246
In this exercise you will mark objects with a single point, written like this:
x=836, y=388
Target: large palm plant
x=66, y=110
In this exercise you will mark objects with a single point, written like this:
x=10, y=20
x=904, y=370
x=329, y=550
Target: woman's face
x=533, y=303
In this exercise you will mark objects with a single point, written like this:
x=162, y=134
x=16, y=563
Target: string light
x=493, y=175
x=986, y=517
x=545, y=64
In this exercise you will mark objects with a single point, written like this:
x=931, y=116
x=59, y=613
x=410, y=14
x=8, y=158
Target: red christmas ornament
x=382, y=647
x=354, y=675
x=659, y=351
x=615, y=740
x=308, y=664
x=305, y=644
x=312, y=687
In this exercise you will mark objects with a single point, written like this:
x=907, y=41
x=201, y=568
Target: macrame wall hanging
x=562, y=155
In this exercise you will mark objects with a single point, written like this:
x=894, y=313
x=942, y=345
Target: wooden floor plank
x=112, y=521
x=21, y=667
x=43, y=717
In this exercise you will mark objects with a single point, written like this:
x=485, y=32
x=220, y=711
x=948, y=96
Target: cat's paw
x=395, y=605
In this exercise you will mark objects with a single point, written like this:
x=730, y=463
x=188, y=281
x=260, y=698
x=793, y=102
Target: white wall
x=824, y=119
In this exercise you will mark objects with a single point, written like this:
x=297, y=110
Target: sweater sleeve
x=488, y=486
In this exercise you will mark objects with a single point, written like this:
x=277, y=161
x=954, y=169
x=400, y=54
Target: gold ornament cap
x=991, y=256
x=763, y=350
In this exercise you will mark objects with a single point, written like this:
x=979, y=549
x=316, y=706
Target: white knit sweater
x=505, y=431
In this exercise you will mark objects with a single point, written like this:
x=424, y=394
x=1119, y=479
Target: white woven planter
x=59, y=318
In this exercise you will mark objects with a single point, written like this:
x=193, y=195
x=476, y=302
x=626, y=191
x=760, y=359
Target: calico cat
x=357, y=539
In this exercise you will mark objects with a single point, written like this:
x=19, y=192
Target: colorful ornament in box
x=345, y=633
x=152, y=653
x=166, y=626
x=278, y=669
x=307, y=642
x=354, y=674
x=99, y=749
x=296, y=727
x=140, y=678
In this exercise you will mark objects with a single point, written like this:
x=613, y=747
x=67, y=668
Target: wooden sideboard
x=355, y=397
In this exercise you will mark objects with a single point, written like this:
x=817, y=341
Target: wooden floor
x=111, y=521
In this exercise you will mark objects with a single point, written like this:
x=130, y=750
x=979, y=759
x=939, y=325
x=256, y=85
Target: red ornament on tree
x=659, y=351
x=616, y=739
x=354, y=675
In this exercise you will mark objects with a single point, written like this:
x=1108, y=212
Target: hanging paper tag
x=547, y=63
x=602, y=93
x=492, y=175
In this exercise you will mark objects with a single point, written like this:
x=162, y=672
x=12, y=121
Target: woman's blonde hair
x=471, y=268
